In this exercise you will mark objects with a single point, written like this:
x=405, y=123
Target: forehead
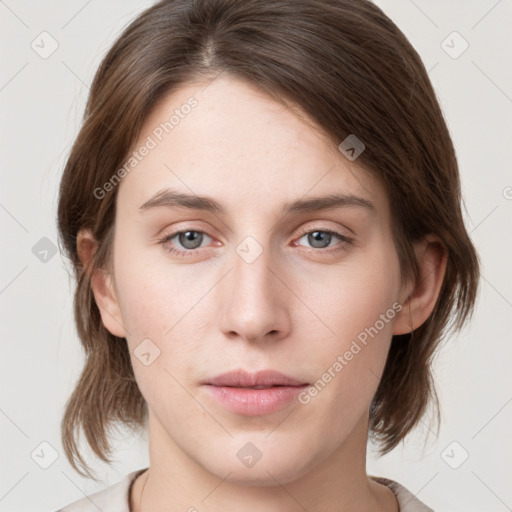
x=227, y=139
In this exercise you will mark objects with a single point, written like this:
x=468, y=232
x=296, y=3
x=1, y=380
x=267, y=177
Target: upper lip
x=242, y=378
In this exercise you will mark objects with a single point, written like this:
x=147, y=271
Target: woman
x=262, y=211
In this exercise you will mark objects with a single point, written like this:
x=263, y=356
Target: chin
x=268, y=476
x=260, y=464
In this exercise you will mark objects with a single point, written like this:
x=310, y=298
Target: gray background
x=42, y=100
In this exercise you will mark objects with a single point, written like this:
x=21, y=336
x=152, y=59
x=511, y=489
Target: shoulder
x=407, y=501
x=115, y=498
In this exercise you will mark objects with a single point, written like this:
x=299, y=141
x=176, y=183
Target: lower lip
x=255, y=402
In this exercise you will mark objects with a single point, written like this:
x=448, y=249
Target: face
x=252, y=284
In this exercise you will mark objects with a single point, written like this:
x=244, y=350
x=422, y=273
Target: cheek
x=153, y=293
x=159, y=305
x=352, y=299
x=360, y=306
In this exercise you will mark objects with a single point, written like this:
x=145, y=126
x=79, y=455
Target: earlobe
x=432, y=258
x=102, y=285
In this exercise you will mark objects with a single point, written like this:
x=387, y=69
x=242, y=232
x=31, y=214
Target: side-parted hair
x=348, y=67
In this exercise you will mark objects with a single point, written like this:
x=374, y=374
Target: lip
x=242, y=378
x=235, y=391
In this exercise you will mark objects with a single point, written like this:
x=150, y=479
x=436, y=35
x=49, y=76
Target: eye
x=189, y=239
x=322, y=238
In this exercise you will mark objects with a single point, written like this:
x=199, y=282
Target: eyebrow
x=171, y=198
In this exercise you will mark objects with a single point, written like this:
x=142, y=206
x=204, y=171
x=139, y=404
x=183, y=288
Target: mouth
x=262, y=379
x=254, y=394
x=255, y=387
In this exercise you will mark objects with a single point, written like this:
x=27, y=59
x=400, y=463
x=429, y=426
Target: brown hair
x=352, y=71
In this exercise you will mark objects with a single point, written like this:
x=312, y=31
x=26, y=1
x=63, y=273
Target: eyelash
x=346, y=241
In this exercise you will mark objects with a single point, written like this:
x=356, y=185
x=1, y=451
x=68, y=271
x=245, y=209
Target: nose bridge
x=252, y=268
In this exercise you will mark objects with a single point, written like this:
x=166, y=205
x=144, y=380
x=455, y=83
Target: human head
x=344, y=66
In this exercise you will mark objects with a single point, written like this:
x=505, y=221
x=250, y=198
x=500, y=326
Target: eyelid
x=315, y=227
x=342, y=231
x=305, y=230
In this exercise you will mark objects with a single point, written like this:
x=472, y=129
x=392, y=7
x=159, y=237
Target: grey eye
x=190, y=239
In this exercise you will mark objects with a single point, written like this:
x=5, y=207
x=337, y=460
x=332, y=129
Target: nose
x=255, y=301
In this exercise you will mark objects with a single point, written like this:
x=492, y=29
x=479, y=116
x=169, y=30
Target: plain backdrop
x=467, y=467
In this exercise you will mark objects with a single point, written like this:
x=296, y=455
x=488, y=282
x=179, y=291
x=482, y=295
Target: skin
x=294, y=309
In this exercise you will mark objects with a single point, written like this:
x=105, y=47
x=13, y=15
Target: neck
x=176, y=481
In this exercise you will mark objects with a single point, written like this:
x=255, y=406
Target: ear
x=102, y=284
x=432, y=258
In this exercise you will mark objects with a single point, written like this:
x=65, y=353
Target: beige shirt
x=116, y=498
